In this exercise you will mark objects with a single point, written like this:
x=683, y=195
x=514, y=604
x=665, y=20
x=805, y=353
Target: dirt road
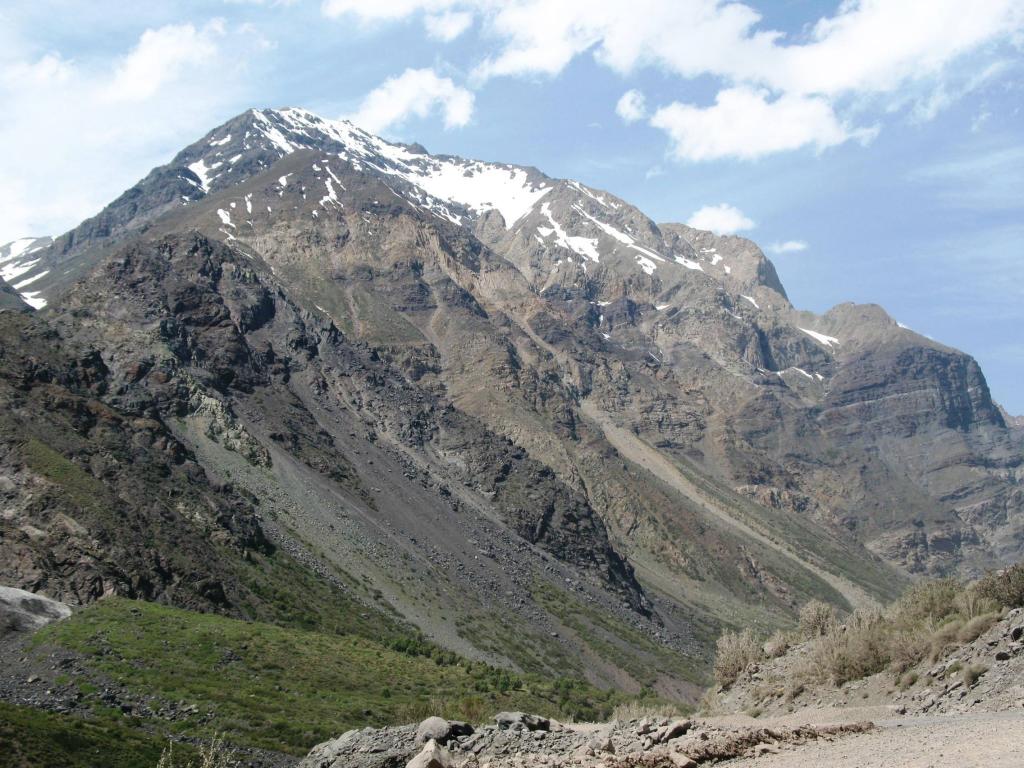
x=994, y=740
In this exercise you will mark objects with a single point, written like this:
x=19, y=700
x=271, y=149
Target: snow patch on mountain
x=202, y=172
x=646, y=258
x=584, y=246
x=828, y=341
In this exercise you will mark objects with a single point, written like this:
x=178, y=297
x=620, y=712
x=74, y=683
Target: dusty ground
x=989, y=740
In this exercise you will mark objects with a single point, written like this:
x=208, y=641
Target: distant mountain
x=513, y=409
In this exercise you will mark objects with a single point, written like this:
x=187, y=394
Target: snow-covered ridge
x=449, y=187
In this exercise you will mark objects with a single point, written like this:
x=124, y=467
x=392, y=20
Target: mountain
x=508, y=409
x=19, y=269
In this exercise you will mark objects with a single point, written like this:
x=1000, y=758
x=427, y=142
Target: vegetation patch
x=30, y=738
x=282, y=689
x=927, y=622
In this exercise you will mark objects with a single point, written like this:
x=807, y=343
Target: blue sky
x=882, y=141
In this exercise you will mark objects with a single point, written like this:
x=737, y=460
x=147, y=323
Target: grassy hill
x=271, y=687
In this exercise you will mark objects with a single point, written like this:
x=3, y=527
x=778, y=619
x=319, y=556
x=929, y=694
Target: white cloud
x=416, y=92
x=80, y=132
x=449, y=25
x=631, y=106
x=789, y=246
x=160, y=56
x=723, y=219
x=867, y=48
x=744, y=124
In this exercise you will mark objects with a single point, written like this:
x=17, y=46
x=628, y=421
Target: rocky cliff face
x=512, y=403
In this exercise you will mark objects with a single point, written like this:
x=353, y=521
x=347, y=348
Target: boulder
x=440, y=730
x=521, y=721
x=432, y=756
x=601, y=741
x=671, y=731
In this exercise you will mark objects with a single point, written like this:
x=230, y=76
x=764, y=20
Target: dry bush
x=971, y=603
x=735, y=651
x=944, y=639
x=776, y=645
x=856, y=649
x=709, y=703
x=976, y=627
x=906, y=650
x=212, y=755
x=1005, y=588
x=927, y=603
x=973, y=673
x=817, y=619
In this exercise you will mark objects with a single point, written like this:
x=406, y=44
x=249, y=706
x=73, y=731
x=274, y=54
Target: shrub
x=908, y=680
x=776, y=645
x=856, y=649
x=973, y=673
x=906, y=649
x=971, y=604
x=735, y=651
x=927, y=603
x=817, y=619
x=976, y=627
x=211, y=755
x=1005, y=588
x=945, y=638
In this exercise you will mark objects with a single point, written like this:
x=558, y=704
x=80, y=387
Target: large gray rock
x=521, y=721
x=442, y=731
x=22, y=611
x=432, y=756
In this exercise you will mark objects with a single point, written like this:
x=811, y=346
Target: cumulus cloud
x=867, y=48
x=449, y=25
x=415, y=92
x=723, y=219
x=788, y=246
x=746, y=124
x=631, y=106
x=126, y=113
x=160, y=56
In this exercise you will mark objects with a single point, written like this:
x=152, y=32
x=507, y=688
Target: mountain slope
x=517, y=411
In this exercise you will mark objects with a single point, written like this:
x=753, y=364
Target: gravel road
x=991, y=740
